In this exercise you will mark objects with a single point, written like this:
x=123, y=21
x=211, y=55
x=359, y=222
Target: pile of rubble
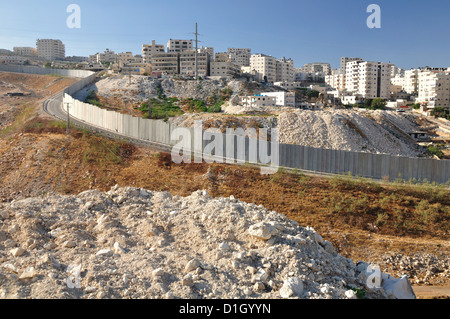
x=133, y=243
x=350, y=130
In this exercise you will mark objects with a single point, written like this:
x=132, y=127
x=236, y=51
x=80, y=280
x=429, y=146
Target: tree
x=378, y=104
x=48, y=65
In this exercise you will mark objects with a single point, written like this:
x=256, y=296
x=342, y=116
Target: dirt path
x=431, y=292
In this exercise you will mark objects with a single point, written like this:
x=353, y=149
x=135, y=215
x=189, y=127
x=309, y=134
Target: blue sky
x=414, y=33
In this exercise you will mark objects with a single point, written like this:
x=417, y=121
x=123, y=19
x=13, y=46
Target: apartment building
x=50, y=49
x=411, y=81
x=25, y=51
x=149, y=49
x=288, y=85
x=166, y=63
x=368, y=79
x=187, y=63
x=434, y=87
x=12, y=59
x=265, y=67
x=344, y=61
x=316, y=67
x=179, y=46
x=284, y=70
x=126, y=57
x=106, y=57
x=336, y=80
x=257, y=101
x=209, y=50
x=223, y=67
x=282, y=98
x=240, y=57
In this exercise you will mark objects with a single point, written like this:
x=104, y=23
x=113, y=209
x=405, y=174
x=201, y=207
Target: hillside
x=402, y=228
x=350, y=130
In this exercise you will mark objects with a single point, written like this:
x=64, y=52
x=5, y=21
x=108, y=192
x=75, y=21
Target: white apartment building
x=344, y=61
x=282, y=98
x=284, y=70
x=49, y=49
x=434, y=87
x=179, y=46
x=12, y=59
x=240, y=57
x=166, y=63
x=257, y=101
x=149, y=49
x=25, y=51
x=336, y=80
x=368, y=79
x=411, y=81
x=187, y=63
x=265, y=67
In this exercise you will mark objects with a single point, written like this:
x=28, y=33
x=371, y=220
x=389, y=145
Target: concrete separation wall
x=37, y=70
x=376, y=166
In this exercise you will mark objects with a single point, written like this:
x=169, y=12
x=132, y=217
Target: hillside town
x=356, y=82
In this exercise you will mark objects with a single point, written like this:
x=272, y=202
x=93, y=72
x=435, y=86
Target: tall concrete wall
x=37, y=70
x=377, y=166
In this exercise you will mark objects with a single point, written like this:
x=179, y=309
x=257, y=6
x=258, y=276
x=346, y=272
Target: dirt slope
x=404, y=229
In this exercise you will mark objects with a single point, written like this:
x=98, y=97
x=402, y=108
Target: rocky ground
x=133, y=243
x=401, y=229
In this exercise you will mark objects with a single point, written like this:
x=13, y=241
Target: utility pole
x=196, y=50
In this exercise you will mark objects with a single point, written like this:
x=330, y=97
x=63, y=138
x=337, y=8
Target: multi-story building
x=368, y=79
x=50, y=49
x=282, y=98
x=317, y=67
x=434, y=87
x=106, y=57
x=240, y=57
x=284, y=70
x=265, y=67
x=179, y=46
x=128, y=57
x=77, y=59
x=223, y=67
x=257, y=101
x=166, y=63
x=344, y=61
x=187, y=63
x=411, y=81
x=209, y=50
x=336, y=80
x=25, y=51
x=12, y=59
x=149, y=49
x=288, y=85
